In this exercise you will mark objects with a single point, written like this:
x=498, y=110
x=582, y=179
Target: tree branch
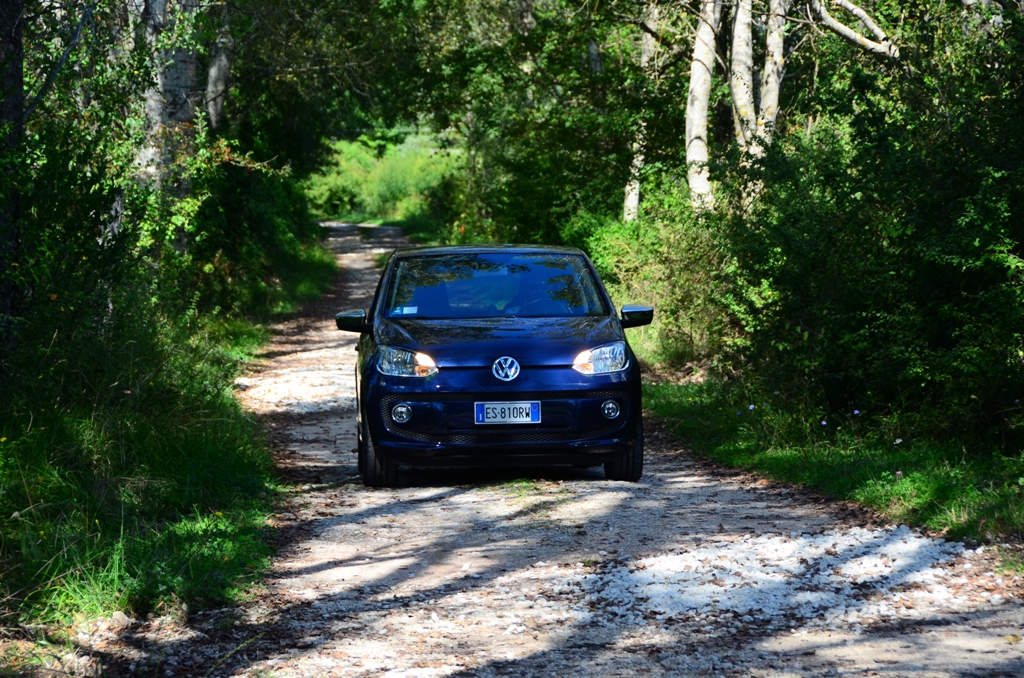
x=884, y=47
x=864, y=19
x=52, y=75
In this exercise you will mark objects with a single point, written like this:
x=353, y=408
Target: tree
x=702, y=68
x=165, y=27
x=218, y=77
x=754, y=109
x=648, y=47
x=12, y=99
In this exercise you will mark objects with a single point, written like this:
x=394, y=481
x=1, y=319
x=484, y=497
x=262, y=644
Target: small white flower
x=898, y=441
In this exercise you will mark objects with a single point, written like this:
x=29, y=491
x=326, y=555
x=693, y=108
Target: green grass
x=132, y=506
x=963, y=491
x=130, y=478
x=301, y=276
x=238, y=338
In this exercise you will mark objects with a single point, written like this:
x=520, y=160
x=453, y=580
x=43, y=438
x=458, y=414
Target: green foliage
x=547, y=101
x=131, y=476
x=409, y=183
x=257, y=248
x=667, y=258
x=879, y=462
x=116, y=457
x=880, y=267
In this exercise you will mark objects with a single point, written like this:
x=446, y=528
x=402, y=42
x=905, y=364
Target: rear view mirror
x=637, y=316
x=352, y=321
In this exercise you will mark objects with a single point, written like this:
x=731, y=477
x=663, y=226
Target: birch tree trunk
x=741, y=75
x=170, y=106
x=882, y=45
x=755, y=112
x=702, y=68
x=648, y=46
x=772, y=74
x=217, y=79
x=12, y=103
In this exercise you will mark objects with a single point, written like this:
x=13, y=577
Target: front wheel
x=628, y=465
x=361, y=441
x=376, y=470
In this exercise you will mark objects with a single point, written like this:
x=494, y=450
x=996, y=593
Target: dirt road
x=692, y=571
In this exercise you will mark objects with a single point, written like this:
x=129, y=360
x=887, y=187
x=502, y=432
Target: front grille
x=499, y=434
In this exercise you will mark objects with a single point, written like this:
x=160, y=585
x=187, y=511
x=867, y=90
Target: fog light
x=401, y=413
x=610, y=409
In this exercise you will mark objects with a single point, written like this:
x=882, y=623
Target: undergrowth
x=130, y=478
x=151, y=494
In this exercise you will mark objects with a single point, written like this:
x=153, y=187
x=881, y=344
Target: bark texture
x=648, y=47
x=171, y=104
x=755, y=111
x=219, y=73
x=774, y=70
x=741, y=75
x=702, y=68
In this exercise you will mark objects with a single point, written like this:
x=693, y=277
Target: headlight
x=397, y=362
x=602, y=360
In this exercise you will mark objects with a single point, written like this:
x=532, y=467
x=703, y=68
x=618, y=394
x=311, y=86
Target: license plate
x=508, y=413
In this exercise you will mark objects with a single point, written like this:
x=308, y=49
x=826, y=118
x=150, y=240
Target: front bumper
x=442, y=429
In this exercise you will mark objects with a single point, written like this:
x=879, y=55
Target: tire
x=629, y=466
x=360, y=447
x=377, y=471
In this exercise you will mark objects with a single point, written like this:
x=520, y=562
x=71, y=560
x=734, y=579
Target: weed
x=521, y=487
x=135, y=482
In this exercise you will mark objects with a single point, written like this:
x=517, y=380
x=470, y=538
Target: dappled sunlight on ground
x=548, y=572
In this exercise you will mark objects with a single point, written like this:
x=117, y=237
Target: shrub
x=667, y=258
x=389, y=181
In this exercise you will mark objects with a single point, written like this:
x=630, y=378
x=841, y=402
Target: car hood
x=533, y=342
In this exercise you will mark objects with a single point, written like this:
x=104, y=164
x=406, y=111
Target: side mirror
x=352, y=321
x=637, y=316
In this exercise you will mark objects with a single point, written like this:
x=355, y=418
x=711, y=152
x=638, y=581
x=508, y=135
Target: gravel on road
x=695, y=570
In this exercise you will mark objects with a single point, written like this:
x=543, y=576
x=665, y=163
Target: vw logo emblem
x=505, y=368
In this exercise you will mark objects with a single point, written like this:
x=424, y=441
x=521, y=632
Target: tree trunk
x=594, y=57
x=219, y=72
x=170, y=106
x=702, y=67
x=771, y=76
x=12, y=103
x=754, y=113
x=741, y=75
x=648, y=46
x=523, y=19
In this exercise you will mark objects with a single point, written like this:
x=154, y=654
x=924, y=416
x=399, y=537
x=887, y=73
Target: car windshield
x=493, y=285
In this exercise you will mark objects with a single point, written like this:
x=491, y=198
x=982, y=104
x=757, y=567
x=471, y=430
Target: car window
x=492, y=285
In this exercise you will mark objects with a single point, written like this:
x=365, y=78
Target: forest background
x=823, y=200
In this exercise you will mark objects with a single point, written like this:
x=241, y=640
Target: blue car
x=495, y=355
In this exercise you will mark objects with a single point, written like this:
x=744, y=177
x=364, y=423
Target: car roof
x=485, y=249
